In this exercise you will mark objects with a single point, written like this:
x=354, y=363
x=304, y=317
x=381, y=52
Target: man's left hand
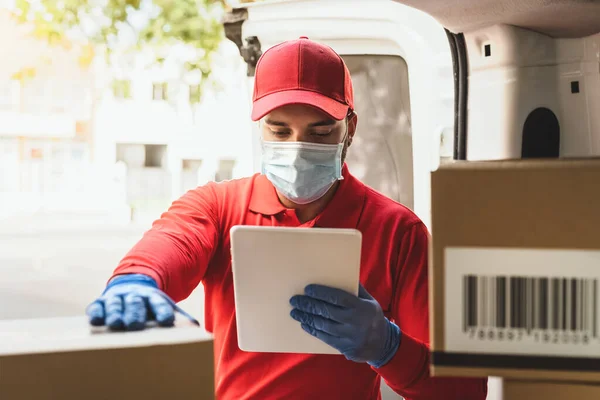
x=353, y=325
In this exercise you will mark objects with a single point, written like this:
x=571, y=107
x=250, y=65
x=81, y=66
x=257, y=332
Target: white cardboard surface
x=52, y=335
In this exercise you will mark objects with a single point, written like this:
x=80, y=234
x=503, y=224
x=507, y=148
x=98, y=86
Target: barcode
x=559, y=304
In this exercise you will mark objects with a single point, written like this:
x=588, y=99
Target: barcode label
x=530, y=303
x=522, y=301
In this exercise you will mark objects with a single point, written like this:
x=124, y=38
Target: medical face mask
x=302, y=172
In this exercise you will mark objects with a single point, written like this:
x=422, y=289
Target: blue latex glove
x=353, y=325
x=129, y=301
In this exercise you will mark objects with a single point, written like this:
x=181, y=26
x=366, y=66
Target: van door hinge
x=251, y=49
x=251, y=52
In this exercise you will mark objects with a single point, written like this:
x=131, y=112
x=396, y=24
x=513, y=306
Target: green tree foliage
x=157, y=23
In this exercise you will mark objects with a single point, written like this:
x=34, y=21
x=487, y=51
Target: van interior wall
x=531, y=95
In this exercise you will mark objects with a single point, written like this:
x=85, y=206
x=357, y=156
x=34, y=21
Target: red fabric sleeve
x=178, y=248
x=407, y=373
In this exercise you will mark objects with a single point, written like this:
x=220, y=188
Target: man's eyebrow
x=327, y=122
x=275, y=123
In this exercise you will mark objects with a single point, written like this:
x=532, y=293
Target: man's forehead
x=299, y=114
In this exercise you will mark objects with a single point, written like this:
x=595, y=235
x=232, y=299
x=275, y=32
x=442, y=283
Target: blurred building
x=169, y=140
x=78, y=133
x=46, y=102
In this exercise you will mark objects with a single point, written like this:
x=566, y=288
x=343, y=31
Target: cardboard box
x=527, y=390
x=64, y=359
x=515, y=270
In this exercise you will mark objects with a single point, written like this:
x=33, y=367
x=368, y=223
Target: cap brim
x=270, y=102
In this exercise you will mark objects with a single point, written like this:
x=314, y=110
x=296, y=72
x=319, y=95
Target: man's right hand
x=130, y=301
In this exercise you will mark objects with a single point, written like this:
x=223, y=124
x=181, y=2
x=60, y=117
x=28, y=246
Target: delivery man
x=304, y=101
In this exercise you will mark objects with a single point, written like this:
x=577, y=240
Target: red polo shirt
x=189, y=244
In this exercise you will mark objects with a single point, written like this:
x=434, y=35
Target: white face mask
x=302, y=172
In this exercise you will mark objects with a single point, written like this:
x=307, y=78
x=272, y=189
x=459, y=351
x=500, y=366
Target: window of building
x=156, y=155
x=122, y=89
x=160, y=91
x=132, y=154
x=191, y=164
x=142, y=155
x=225, y=170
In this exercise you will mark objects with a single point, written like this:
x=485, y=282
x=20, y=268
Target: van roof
x=556, y=18
x=544, y=16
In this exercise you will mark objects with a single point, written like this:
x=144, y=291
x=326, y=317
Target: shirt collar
x=343, y=211
x=264, y=198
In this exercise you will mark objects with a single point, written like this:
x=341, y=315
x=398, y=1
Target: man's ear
x=352, y=123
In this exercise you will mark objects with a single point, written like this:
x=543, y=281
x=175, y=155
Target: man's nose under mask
x=303, y=172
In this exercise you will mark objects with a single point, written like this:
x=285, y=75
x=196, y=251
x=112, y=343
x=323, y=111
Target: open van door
x=402, y=71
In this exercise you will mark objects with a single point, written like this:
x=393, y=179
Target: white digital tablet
x=272, y=264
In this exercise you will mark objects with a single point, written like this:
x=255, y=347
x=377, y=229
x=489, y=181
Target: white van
x=464, y=79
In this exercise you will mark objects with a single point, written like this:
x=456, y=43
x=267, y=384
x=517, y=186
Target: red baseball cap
x=302, y=72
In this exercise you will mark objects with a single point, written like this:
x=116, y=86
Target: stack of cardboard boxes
x=515, y=276
x=65, y=359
